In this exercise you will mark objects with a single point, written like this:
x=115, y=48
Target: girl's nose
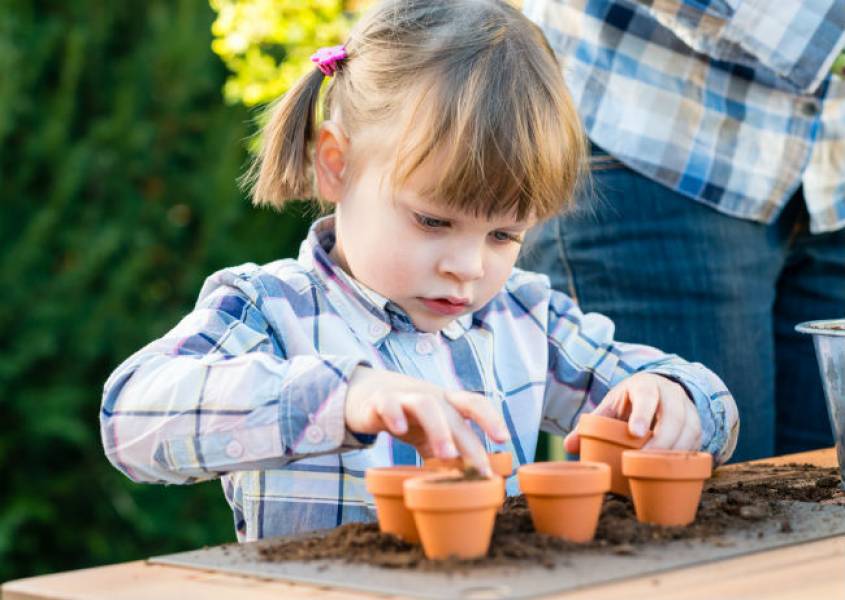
x=463, y=263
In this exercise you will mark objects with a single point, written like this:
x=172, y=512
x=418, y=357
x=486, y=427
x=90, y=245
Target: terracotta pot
x=500, y=462
x=603, y=439
x=385, y=484
x=565, y=498
x=454, y=518
x=666, y=484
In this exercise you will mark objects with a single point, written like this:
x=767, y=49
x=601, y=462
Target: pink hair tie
x=327, y=58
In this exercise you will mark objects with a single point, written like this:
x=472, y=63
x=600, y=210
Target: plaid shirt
x=729, y=102
x=250, y=386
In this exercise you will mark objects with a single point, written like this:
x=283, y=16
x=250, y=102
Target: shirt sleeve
x=798, y=41
x=217, y=394
x=585, y=362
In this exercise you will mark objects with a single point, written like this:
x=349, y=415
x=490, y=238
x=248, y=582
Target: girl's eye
x=504, y=236
x=430, y=222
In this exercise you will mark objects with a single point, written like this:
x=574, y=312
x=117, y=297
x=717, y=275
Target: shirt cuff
x=312, y=419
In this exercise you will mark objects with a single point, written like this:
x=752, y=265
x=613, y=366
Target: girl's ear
x=330, y=163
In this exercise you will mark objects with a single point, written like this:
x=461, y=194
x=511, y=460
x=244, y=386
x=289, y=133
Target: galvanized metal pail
x=829, y=339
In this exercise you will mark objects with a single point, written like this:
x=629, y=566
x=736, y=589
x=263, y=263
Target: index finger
x=644, y=399
x=470, y=446
x=477, y=408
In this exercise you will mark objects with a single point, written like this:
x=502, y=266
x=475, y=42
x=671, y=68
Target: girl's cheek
x=413, y=265
x=502, y=267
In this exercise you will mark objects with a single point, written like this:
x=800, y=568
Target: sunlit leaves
x=267, y=44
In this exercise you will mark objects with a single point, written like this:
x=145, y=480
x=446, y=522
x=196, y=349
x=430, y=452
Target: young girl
x=402, y=330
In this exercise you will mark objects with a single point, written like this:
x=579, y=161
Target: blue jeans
x=726, y=292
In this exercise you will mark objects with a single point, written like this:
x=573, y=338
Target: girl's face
x=435, y=263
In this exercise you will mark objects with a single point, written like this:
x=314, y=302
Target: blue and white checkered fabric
x=729, y=102
x=250, y=386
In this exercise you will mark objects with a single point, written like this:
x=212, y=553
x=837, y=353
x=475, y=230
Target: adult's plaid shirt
x=729, y=102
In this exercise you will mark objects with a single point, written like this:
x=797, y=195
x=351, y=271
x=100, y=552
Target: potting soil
x=724, y=507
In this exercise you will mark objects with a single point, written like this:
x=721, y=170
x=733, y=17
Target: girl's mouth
x=446, y=306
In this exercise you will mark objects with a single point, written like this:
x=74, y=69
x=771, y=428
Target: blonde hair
x=474, y=79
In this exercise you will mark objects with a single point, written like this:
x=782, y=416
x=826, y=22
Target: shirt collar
x=370, y=314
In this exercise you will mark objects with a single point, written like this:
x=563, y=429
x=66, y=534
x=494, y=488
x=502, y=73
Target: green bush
x=118, y=167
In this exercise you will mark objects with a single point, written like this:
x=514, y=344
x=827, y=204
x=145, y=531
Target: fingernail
x=638, y=428
x=503, y=434
x=448, y=450
x=399, y=425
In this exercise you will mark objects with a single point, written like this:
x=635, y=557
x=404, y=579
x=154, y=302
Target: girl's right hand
x=422, y=414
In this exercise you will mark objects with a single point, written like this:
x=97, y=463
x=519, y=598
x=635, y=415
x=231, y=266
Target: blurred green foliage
x=118, y=167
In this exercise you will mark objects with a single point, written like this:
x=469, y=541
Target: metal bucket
x=829, y=339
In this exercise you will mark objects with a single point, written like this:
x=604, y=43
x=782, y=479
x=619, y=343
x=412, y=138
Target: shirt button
x=376, y=329
x=234, y=449
x=424, y=347
x=314, y=434
x=810, y=109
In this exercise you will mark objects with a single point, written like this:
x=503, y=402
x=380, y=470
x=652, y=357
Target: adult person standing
x=717, y=218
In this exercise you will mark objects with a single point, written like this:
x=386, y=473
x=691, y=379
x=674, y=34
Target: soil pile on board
x=735, y=500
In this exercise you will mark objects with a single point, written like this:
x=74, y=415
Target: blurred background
x=123, y=129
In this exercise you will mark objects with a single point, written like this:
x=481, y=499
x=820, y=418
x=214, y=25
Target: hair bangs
x=503, y=135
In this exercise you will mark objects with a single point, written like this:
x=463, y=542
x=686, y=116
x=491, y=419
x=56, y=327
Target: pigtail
x=281, y=172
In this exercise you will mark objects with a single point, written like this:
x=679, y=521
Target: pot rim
x=608, y=429
x=686, y=465
x=564, y=478
x=422, y=493
x=387, y=481
x=505, y=457
x=831, y=327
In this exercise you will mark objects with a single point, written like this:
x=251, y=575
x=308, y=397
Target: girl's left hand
x=643, y=399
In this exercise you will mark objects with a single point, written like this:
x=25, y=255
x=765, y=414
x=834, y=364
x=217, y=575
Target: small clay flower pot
x=565, y=498
x=454, y=516
x=666, y=484
x=500, y=462
x=385, y=484
x=603, y=439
